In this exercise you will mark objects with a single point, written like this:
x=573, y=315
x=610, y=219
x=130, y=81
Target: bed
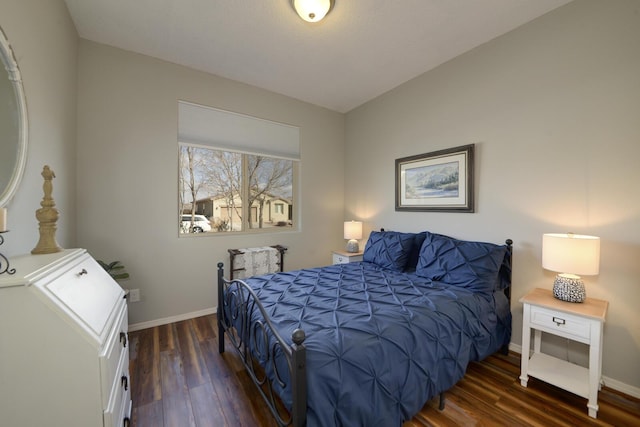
x=369, y=343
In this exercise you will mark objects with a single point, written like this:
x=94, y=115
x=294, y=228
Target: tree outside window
x=236, y=191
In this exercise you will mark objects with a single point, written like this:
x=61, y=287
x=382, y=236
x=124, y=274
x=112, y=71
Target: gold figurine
x=47, y=216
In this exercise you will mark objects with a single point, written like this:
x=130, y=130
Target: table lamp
x=352, y=232
x=570, y=255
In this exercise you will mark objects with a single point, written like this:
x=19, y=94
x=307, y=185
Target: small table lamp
x=352, y=232
x=570, y=254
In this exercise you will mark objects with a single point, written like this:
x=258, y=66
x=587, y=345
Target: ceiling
x=362, y=49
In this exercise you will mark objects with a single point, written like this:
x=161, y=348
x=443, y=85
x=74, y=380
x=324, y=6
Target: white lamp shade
x=571, y=253
x=312, y=10
x=353, y=230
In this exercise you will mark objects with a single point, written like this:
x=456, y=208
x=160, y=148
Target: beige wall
x=554, y=110
x=128, y=176
x=45, y=43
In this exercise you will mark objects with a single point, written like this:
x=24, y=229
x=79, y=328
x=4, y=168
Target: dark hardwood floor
x=179, y=379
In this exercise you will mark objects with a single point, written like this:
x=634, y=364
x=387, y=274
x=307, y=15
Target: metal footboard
x=236, y=303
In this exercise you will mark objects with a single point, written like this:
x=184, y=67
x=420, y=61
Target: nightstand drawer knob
x=558, y=321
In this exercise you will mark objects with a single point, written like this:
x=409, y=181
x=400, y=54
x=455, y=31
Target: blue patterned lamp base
x=569, y=287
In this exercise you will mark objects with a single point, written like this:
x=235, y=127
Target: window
x=237, y=171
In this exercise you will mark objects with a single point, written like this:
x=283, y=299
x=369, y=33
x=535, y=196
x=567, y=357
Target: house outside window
x=240, y=181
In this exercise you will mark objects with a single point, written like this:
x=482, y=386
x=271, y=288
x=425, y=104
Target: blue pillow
x=472, y=265
x=388, y=249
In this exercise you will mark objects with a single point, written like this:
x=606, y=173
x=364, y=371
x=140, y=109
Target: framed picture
x=440, y=181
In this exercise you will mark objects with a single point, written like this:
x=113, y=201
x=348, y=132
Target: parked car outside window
x=200, y=224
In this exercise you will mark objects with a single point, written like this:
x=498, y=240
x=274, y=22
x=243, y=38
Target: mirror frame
x=10, y=64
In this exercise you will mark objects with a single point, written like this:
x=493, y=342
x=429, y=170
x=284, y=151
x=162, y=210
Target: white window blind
x=228, y=131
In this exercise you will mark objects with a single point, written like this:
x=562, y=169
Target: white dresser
x=64, y=348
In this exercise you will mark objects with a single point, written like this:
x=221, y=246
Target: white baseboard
x=167, y=320
x=621, y=387
x=609, y=382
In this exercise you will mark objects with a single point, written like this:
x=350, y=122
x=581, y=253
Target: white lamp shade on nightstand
x=571, y=255
x=352, y=232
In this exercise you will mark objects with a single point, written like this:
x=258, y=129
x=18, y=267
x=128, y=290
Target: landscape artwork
x=432, y=181
x=437, y=181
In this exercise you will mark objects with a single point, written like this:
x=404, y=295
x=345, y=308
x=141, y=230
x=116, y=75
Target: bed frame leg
x=507, y=291
x=441, y=405
x=505, y=349
x=299, y=379
x=220, y=309
x=220, y=337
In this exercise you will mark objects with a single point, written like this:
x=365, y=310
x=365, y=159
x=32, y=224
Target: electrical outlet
x=134, y=295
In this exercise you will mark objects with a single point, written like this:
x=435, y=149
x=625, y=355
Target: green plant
x=115, y=269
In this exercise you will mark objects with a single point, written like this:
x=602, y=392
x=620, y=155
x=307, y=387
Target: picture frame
x=440, y=181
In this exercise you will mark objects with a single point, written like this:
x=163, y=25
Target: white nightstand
x=344, y=257
x=582, y=322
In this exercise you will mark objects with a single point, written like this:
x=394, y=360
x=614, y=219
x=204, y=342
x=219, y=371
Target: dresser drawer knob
x=123, y=339
x=83, y=272
x=558, y=321
x=124, y=382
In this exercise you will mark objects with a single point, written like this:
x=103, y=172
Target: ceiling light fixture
x=312, y=10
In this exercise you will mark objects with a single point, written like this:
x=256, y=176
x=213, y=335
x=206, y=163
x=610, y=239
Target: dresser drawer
x=116, y=350
x=559, y=323
x=118, y=411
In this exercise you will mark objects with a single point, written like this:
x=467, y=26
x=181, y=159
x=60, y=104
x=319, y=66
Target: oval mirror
x=13, y=123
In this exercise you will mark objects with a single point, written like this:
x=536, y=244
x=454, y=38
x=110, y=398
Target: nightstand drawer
x=343, y=258
x=560, y=323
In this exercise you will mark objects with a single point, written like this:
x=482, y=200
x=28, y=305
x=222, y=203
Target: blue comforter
x=379, y=343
